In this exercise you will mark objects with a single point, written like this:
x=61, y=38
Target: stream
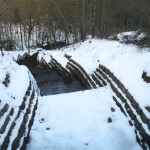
x=50, y=82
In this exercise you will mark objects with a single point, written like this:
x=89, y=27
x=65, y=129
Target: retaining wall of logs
x=122, y=97
x=78, y=71
x=58, y=67
x=33, y=59
x=16, y=121
x=71, y=68
x=127, y=104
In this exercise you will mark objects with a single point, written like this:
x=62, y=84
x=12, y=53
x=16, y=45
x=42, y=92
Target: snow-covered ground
x=127, y=62
x=73, y=117
x=18, y=78
x=14, y=102
x=79, y=121
x=131, y=36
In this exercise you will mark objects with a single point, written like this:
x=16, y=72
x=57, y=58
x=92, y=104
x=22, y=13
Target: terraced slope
x=17, y=107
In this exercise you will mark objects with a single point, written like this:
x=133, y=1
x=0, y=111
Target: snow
x=13, y=93
x=19, y=79
x=80, y=121
x=127, y=62
x=147, y=70
x=59, y=56
x=44, y=55
x=131, y=35
x=45, y=44
x=141, y=36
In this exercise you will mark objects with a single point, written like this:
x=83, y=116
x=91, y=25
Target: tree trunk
x=21, y=37
x=94, y=17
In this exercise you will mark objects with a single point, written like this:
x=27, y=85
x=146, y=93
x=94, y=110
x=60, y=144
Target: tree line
x=24, y=23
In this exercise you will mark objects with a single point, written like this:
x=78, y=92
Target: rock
x=86, y=144
x=47, y=128
x=42, y=119
x=109, y=120
x=130, y=123
x=112, y=109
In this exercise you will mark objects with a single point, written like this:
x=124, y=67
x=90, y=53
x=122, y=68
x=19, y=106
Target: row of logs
x=58, y=67
x=78, y=70
x=106, y=75
x=52, y=64
x=133, y=102
x=27, y=108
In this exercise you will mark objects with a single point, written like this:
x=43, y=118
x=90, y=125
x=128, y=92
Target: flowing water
x=50, y=82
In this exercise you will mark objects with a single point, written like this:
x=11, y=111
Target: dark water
x=50, y=82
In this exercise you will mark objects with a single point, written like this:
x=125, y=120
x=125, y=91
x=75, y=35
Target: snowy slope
x=13, y=93
x=18, y=100
x=79, y=121
x=127, y=62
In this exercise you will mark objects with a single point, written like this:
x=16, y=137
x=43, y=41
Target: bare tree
x=94, y=18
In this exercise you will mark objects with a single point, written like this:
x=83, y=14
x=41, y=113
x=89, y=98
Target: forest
x=28, y=23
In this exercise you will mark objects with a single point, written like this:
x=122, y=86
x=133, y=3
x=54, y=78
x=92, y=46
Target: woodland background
x=48, y=20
